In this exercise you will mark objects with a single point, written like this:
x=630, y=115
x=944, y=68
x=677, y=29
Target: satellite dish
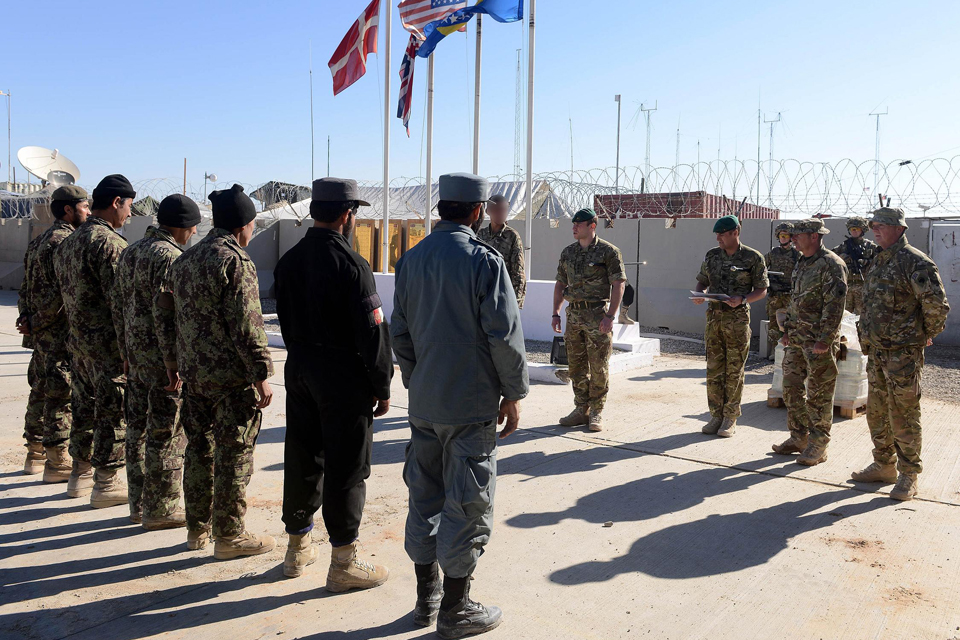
x=48, y=165
x=212, y=177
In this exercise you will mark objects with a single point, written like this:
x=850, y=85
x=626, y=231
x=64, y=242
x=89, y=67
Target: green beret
x=69, y=193
x=585, y=215
x=726, y=223
x=810, y=225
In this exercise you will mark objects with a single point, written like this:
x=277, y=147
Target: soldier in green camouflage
x=781, y=259
x=223, y=360
x=85, y=264
x=812, y=343
x=590, y=277
x=904, y=308
x=155, y=441
x=857, y=252
x=505, y=239
x=737, y=271
x=43, y=322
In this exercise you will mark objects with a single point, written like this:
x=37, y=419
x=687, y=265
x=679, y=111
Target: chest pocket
x=594, y=271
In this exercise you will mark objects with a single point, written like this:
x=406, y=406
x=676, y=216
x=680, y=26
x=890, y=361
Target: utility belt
x=587, y=304
x=723, y=306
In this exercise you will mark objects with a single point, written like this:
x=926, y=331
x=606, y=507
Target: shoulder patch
x=372, y=306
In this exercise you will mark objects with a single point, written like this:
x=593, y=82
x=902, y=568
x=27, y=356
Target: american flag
x=406, y=81
x=416, y=14
x=349, y=61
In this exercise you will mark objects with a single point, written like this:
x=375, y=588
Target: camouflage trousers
x=727, y=338
x=775, y=302
x=99, y=429
x=154, y=447
x=588, y=357
x=33, y=419
x=893, y=406
x=854, y=301
x=48, y=417
x=809, y=381
x=221, y=432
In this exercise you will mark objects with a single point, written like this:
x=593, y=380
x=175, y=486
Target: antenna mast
x=518, y=123
x=770, y=165
x=876, y=157
x=646, y=159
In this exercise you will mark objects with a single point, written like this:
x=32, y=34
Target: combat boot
x=245, y=544
x=578, y=417
x=58, y=465
x=876, y=472
x=727, y=428
x=813, y=455
x=790, y=445
x=624, y=318
x=301, y=552
x=347, y=571
x=713, y=426
x=80, y=483
x=429, y=594
x=197, y=540
x=906, y=487
x=173, y=520
x=36, y=459
x=460, y=616
x=108, y=489
x=596, y=421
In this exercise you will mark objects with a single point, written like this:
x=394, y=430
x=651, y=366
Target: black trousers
x=328, y=442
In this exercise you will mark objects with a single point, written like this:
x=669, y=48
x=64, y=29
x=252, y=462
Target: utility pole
x=676, y=161
x=758, y=156
x=328, y=156
x=312, y=156
x=518, y=122
x=876, y=156
x=571, y=148
x=770, y=165
x=646, y=159
x=617, y=179
x=9, y=155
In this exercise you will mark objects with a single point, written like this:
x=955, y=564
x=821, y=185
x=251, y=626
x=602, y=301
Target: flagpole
x=476, y=100
x=385, y=249
x=528, y=243
x=429, y=177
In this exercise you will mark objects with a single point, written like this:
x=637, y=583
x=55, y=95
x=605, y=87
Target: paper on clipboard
x=700, y=295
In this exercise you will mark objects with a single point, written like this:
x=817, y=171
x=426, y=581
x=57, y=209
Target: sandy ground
x=649, y=529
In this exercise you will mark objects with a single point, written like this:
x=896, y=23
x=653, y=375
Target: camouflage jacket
x=904, y=302
x=141, y=273
x=221, y=343
x=782, y=260
x=817, y=298
x=85, y=263
x=507, y=241
x=735, y=275
x=587, y=274
x=40, y=297
x=857, y=254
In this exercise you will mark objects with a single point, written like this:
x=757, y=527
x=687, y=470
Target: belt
x=587, y=304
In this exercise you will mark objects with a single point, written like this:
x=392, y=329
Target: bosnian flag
x=349, y=61
x=406, y=81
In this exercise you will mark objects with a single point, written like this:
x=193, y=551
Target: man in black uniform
x=337, y=375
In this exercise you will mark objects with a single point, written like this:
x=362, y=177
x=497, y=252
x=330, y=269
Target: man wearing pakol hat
x=457, y=336
x=223, y=360
x=904, y=309
x=737, y=271
x=857, y=252
x=337, y=375
x=155, y=440
x=505, y=239
x=590, y=277
x=782, y=259
x=43, y=322
x=811, y=344
x=86, y=263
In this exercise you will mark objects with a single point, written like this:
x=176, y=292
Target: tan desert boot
x=80, y=483
x=108, y=489
x=173, y=520
x=727, y=428
x=876, y=472
x=578, y=417
x=36, y=458
x=197, y=540
x=245, y=544
x=301, y=552
x=813, y=455
x=906, y=488
x=790, y=445
x=58, y=465
x=347, y=571
x=596, y=422
x=713, y=426
x=624, y=318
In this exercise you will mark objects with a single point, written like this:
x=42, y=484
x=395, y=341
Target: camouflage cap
x=69, y=193
x=810, y=225
x=585, y=215
x=857, y=221
x=893, y=216
x=784, y=227
x=726, y=223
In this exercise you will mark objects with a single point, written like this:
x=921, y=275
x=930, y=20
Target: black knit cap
x=178, y=211
x=232, y=208
x=113, y=186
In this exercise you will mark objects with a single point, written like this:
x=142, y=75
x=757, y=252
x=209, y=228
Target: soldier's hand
x=509, y=411
x=266, y=394
x=739, y=301
x=785, y=341
x=380, y=407
x=555, y=323
x=819, y=348
x=699, y=300
x=606, y=325
x=929, y=342
x=173, y=377
x=23, y=324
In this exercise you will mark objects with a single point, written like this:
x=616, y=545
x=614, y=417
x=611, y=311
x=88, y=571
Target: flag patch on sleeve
x=377, y=316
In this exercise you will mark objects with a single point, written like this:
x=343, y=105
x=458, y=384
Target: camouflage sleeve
x=23, y=305
x=758, y=273
x=561, y=272
x=164, y=315
x=615, y=269
x=768, y=259
x=518, y=274
x=703, y=277
x=928, y=287
x=244, y=318
x=109, y=258
x=834, y=289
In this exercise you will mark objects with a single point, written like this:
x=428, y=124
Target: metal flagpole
x=528, y=243
x=311, y=113
x=385, y=248
x=476, y=101
x=428, y=205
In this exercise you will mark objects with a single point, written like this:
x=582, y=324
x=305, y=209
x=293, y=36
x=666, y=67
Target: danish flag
x=349, y=61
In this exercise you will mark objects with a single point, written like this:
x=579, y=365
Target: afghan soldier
x=86, y=263
x=505, y=239
x=781, y=259
x=43, y=322
x=457, y=336
x=737, y=271
x=904, y=309
x=155, y=441
x=338, y=372
x=812, y=343
x=858, y=254
x=590, y=278
x=223, y=360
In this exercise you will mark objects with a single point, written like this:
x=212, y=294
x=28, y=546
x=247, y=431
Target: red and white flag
x=416, y=14
x=349, y=61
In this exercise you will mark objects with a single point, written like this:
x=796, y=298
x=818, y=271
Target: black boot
x=460, y=616
x=429, y=593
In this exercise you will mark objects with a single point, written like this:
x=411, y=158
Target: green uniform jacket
x=735, y=275
x=782, y=260
x=507, y=241
x=817, y=298
x=40, y=295
x=857, y=254
x=587, y=274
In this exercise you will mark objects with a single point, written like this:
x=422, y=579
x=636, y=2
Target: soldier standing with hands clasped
x=505, y=239
x=782, y=259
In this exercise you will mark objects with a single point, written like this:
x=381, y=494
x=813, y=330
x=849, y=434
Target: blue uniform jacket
x=456, y=329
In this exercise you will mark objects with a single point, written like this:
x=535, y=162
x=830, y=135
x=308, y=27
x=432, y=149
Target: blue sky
x=136, y=87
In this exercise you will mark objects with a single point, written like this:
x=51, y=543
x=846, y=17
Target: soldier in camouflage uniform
x=857, y=253
x=223, y=360
x=812, y=343
x=782, y=259
x=155, y=441
x=590, y=277
x=86, y=263
x=505, y=239
x=905, y=307
x=737, y=271
x=43, y=323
